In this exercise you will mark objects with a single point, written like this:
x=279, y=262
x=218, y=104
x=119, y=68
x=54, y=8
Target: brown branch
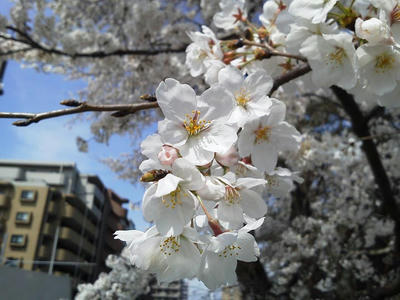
x=361, y=129
x=119, y=110
x=288, y=76
x=28, y=40
x=272, y=52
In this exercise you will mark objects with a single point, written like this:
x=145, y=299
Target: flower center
x=395, y=15
x=262, y=134
x=272, y=180
x=229, y=251
x=193, y=124
x=232, y=195
x=242, y=98
x=172, y=199
x=384, y=62
x=170, y=245
x=337, y=56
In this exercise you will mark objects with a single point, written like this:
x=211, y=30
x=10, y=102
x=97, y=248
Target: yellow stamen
x=229, y=251
x=170, y=245
x=172, y=199
x=232, y=195
x=262, y=134
x=337, y=56
x=193, y=125
x=384, y=62
x=242, y=98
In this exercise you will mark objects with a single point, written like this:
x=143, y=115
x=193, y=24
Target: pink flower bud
x=167, y=155
x=229, y=158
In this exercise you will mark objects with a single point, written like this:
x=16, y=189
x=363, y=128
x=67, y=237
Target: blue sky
x=26, y=90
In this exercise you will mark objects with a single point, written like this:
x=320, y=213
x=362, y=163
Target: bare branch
x=272, y=52
x=288, y=76
x=28, y=40
x=78, y=107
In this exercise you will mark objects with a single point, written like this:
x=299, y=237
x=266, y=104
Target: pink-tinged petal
x=175, y=99
x=172, y=133
x=215, y=103
x=248, y=250
x=167, y=185
x=193, y=179
x=253, y=205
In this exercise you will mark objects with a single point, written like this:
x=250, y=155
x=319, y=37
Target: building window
x=18, y=240
x=23, y=217
x=28, y=196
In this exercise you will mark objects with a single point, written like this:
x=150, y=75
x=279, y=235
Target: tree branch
x=361, y=129
x=119, y=110
x=288, y=76
x=28, y=40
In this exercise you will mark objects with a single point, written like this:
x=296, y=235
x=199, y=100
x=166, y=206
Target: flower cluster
x=208, y=166
x=351, y=44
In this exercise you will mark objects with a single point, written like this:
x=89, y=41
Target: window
x=28, y=196
x=18, y=240
x=23, y=217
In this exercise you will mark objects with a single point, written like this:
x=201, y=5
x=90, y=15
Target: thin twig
x=272, y=52
x=80, y=107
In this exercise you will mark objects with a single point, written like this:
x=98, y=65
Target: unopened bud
x=148, y=97
x=262, y=32
x=153, y=175
x=261, y=54
x=228, y=57
x=167, y=155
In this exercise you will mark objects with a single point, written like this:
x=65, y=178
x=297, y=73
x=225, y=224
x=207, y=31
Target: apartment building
x=56, y=220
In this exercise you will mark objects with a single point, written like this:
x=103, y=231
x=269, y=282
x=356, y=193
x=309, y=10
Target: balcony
x=4, y=200
x=117, y=209
x=73, y=213
x=50, y=178
x=71, y=237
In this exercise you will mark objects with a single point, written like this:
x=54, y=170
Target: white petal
x=252, y=203
x=219, y=138
x=215, y=103
x=167, y=185
x=175, y=99
x=264, y=157
x=193, y=179
x=248, y=247
x=231, y=78
x=172, y=133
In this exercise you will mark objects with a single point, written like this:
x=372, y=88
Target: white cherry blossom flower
x=374, y=30
x=249, y=95
x=280, y=181
x=275, y=13
x=239, y=198
x=314, y=10
x=232, y=11
x=170, y=202
x=379, y=68
x=195, y=125
x=219, y=259
x=332, y=59
x=264, y=137
x=205, y=47
x=151, y=147
x=170, y=258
